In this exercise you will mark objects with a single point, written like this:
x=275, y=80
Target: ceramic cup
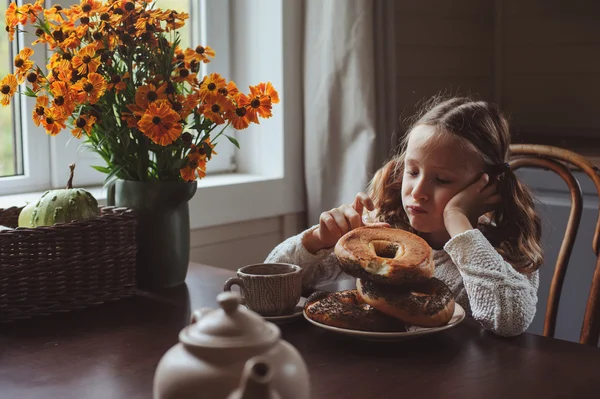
x=270, y=289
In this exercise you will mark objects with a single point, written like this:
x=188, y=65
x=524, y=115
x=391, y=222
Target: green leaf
x=234, y=141
x=102, y=169
x=114, y=173
x=30, y=93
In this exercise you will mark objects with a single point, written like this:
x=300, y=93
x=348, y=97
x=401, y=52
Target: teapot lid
x=230, y=326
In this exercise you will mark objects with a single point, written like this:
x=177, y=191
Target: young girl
x=450, y=184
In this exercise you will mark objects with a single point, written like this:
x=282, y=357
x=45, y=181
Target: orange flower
x=188, y=173
x=175, y=19
x=23, y=64
x=73, y=40
x=184, y=105
x=83, y=124
x=36, y=79
x=131, y=118
x=184, y=75
x=229, y=90
x=67, y=74
x=217, y=108
x=85, y=8
x=209, y=88
x=148, y=94
x=56, y=37
x=259, y=103
x=160, y=123
x=8, y=87
x=111, y=40
x=31, y=10
x=54, y=14
x=63, y=98
x=90, y=88
x=195, y=164
x=118, y=82
x=39, y=113
x=11, y=31
x=60, y=60
x=86, y=61
x=242, y=101
x=200, y=54
x=179, y=55
x=268, y=90
x=128, y=6
x=12, y=18
x=150, y=20
x=238, y=115
x=81, y=31
x=53, y=122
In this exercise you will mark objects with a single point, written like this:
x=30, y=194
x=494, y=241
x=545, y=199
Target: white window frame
x=265, y=36
x=35, y=142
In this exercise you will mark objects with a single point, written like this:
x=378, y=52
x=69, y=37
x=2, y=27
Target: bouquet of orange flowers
x=118, y=77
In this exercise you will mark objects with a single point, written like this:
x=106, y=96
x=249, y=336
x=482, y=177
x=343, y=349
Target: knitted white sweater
x=500, y=298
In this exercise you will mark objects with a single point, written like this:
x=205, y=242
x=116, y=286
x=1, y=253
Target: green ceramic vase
x=163, y=229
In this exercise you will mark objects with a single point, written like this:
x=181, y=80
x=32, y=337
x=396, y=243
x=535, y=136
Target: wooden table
x=111, y=351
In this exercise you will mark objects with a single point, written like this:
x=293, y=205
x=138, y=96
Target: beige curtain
x=340, y=94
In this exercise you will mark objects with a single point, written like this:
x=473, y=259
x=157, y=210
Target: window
x=32, y=161
x=206, y=26
x=265, y=38
x=24, y=148
x=10, y=154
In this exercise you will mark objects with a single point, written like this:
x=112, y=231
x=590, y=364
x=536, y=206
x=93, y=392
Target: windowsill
x=220, y=199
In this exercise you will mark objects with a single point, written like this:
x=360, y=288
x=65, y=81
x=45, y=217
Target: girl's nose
x=419, y=191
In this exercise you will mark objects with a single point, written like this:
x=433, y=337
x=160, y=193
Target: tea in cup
x=270, y=289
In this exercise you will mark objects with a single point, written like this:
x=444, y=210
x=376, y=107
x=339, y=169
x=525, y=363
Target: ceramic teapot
x=231, y=352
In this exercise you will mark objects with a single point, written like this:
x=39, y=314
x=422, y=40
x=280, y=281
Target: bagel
x=385, y=255
x=345, y=309
x=429, y=303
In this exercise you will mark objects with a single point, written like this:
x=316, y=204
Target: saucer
x=296, y=312
x=412, y=331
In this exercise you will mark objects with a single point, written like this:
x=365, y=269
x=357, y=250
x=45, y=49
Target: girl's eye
x=442, y=181
x=411, y=173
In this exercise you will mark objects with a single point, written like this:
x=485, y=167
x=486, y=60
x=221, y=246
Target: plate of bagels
x=396, y=296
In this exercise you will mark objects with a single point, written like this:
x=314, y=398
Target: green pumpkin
x=60, y=206
x=25, y=215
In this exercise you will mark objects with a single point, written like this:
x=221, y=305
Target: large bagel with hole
x=429, y=303
x=385, y=255
x=345, y=309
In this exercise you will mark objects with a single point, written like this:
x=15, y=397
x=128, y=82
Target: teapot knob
x=229, y=301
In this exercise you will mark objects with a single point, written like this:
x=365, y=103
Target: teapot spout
x=256, y=380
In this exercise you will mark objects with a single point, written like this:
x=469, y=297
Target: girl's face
x=436, y=168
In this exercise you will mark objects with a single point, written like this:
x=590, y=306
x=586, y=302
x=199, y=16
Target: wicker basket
x=66, y=266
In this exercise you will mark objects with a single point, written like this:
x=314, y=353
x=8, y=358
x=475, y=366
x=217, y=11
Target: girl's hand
x=472, y=202
x=335, y=223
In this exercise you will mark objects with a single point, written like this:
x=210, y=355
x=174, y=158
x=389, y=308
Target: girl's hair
x=515, y=228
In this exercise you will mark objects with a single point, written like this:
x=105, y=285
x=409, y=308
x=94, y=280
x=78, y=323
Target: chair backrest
x=562, y=162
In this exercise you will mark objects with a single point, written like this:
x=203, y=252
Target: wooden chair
x=562, y=162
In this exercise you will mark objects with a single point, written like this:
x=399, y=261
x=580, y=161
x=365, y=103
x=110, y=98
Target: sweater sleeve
x=502, y=299
x=316, y=268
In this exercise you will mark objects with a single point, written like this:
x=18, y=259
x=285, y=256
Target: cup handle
x=236, y=281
